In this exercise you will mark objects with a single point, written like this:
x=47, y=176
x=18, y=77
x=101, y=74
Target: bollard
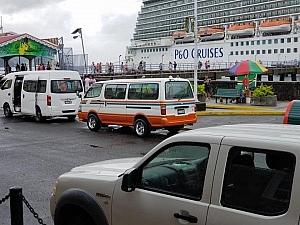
x=16, y=206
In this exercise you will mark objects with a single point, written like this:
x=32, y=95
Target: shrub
x=201, y=89
x=263, y=91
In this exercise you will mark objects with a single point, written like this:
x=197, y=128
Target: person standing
x=48, y=66
x=170, y=66
x=160, y=66
x=86, y=83
x=92, y=80
x=199, y=65
x=22, y=67
x=175, y=65
x=17, y=67
x=207, y=85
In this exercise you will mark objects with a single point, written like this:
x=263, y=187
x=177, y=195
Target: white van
x=145, y=104
x=42, y=94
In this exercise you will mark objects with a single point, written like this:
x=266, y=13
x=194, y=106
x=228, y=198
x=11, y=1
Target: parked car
x=292, y=113
x=229, y=175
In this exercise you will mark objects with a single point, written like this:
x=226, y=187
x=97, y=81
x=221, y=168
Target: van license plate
x=68, y=102
x=180, y=111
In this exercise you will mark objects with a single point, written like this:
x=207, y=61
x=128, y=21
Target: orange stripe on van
x=155, y=121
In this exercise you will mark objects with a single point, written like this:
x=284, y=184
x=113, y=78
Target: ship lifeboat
x=241, y=29
x=181, y=34
x=276, y=25
x=211, y=33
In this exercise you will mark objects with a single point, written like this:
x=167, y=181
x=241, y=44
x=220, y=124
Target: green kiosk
x=26, y=46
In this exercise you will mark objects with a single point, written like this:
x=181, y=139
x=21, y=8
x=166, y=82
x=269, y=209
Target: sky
x=107, y=25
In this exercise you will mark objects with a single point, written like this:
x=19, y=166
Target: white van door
x=114, y=111
x=28, y=96
x=63, y=96
x=255, y=188
x=169, y=191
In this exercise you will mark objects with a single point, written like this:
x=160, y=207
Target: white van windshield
x=66, y=86
x=178, y=90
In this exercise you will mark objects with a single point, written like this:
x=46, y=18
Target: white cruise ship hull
x=276, y=29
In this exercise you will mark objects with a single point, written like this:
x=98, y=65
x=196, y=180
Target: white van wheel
x=141, y=128
x=93, y=122
x=38, y=116
x=7, y=111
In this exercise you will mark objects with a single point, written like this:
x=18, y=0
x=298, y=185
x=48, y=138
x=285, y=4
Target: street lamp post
x=79, y=31
x=195, y=51
x=120, y=62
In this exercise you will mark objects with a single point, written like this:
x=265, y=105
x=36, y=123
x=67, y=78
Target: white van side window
x=6, y=84
x=115, y=91
x=146, y=91
x=258, y=181
x=42, y=84
x=30, y=85
x=94, y=91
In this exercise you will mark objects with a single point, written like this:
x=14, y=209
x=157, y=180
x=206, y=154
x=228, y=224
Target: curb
x=233, y=107
x=240, y=113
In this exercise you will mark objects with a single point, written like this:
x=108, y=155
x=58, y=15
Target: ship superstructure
x=268, y=30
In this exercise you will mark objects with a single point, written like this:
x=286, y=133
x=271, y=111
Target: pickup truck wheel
x=7, y=111
x=93, y=122
x=80, y=218
x=141, y=128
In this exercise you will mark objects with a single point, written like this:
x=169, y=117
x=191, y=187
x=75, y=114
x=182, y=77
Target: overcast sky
x=108, y=25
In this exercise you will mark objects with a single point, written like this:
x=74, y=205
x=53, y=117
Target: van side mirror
x=78, y=94
x=129, y=181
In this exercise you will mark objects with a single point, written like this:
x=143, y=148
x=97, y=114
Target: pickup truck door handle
x=23, y=96
x=8, y=94
x=189, y=218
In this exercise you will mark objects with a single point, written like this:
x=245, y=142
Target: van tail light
x=287, y=112
x=48, y=100
x=163, y=109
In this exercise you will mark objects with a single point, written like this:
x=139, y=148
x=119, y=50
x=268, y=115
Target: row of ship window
x=154, y=50
x=264, y=51
x=208, y=19
x=263, y=42
x=242, y=8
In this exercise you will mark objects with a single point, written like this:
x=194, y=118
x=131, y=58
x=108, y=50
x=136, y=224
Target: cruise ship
x=228, y=31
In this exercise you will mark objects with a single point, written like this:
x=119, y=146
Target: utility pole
x=195, y=51
x=1, y=26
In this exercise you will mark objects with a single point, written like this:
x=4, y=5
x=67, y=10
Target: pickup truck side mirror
x=129, y=181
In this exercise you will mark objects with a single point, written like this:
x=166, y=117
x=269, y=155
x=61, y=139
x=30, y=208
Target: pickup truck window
x=258, y=181
x=178, y=170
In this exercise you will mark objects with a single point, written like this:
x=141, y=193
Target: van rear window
x=178, y=90
x=66, y=86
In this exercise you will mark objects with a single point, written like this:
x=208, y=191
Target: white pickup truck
x=226, y=175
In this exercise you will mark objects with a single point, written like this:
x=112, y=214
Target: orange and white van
x=145, y=104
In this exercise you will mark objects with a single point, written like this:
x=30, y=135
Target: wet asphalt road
x=33, y=155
